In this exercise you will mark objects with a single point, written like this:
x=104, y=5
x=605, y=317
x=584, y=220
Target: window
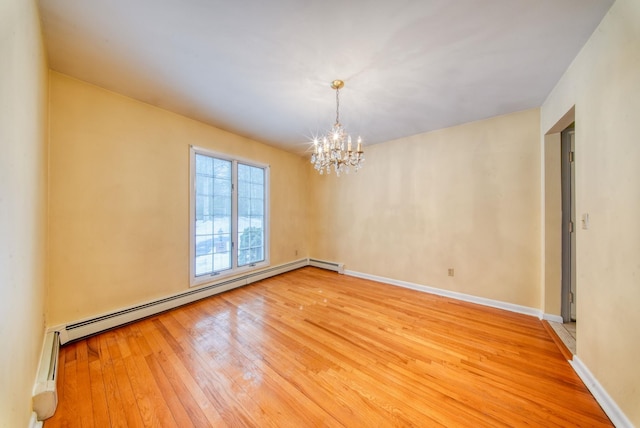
x=229, y=200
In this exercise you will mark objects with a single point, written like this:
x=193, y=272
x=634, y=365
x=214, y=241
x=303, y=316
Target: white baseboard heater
x=104, y=322
x=338, y=267
x=45, y=393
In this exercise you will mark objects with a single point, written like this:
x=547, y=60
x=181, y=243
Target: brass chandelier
x=330, y=150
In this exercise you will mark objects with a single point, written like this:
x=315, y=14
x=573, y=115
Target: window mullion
x=234, y=215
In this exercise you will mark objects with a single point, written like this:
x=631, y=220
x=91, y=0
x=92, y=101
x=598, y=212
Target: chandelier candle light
x=331, y=149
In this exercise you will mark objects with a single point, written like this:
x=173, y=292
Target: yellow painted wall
x=603, y=83
x=23, y=206
x=466, y=198
x=119, y=201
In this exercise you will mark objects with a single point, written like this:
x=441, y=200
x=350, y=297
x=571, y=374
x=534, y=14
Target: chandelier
x=330, y=149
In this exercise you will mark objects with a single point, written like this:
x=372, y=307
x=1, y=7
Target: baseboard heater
x=95, y=325
x=45, y=393
x=338, y=267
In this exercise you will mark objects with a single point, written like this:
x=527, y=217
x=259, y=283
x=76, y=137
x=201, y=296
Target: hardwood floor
x=314, y=348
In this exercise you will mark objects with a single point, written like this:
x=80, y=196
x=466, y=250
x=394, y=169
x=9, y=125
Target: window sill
x=227, y=275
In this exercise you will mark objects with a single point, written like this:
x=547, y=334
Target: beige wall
x=23, y=209
x=119, y=199
x=466, y=197
x=604, y=85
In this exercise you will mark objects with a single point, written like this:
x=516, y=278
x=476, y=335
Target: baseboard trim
x=452, y=294
x=607, y=403
x=553, y=318
x=34, y=422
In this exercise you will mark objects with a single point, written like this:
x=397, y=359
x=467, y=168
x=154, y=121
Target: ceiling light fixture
x=330, y=150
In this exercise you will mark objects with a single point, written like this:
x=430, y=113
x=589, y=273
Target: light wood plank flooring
x=313, y=348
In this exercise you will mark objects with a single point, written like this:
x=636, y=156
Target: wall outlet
x=450, y=271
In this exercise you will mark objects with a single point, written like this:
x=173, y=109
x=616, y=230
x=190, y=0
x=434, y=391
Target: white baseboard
x=34, y=422
x=452, y=294
x=553, y=318
x=607, y=403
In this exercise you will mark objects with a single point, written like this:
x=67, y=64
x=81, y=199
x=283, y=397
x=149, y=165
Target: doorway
x=567, y=168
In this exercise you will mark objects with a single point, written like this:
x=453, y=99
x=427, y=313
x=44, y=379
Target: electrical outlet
x=450, y=271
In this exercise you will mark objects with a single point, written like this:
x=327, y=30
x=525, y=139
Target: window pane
x=222, y=251
x=213, y=215
x=257, y=208
x=222, y=225
x=244, y=207
x=222, y=261
x=244, y=189
x=222, y=168
x=221, y=205
x=204, y=165
x=256, y=223
x=204, y=265
x=203, y=227
x=204, y=245
x=257, y=191
x=250, y=241
x=204, y=185
x=250, y=214
x=257, y=175
x=244, y=173
x=222, y=186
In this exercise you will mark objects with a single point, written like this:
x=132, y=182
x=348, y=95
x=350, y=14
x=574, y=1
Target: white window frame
x=235, y=269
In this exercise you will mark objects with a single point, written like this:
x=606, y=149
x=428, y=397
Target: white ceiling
x=262, y=69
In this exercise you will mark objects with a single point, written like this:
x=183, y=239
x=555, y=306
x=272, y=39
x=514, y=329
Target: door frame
x=567, y=168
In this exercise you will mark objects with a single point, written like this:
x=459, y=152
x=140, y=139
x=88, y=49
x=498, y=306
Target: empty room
x=304, y=213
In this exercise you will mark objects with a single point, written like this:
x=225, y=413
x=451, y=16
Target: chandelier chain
x=338, y=105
